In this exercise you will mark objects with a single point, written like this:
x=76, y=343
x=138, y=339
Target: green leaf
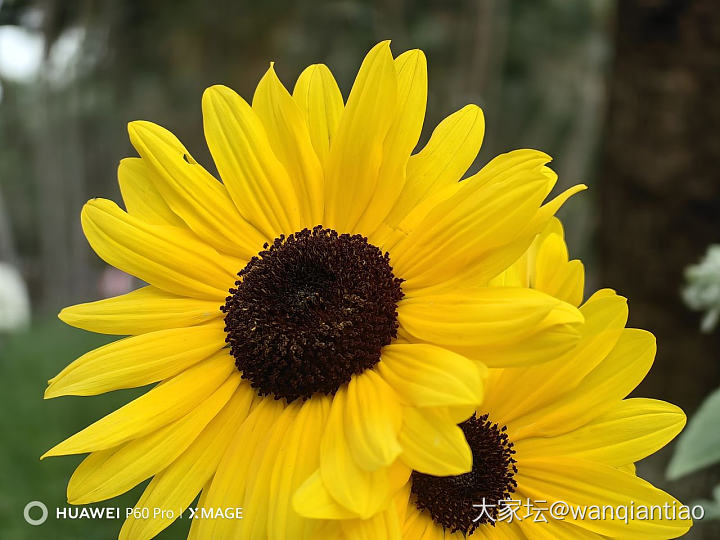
x=699, y=445
x=711, y=508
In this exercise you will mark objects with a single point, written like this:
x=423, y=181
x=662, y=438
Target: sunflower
x=318, y=318
x=558, y=433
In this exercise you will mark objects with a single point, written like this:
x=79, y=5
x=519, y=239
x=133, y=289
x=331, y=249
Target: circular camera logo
x=29, y=507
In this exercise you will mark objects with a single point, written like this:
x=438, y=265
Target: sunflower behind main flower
x=558, y=433
x=322, y=260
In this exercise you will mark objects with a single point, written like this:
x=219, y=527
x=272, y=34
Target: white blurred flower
x=14, y=300
x=702, y=292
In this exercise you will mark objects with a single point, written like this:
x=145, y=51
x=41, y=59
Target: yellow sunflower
x=553, y=437
x=313, y=315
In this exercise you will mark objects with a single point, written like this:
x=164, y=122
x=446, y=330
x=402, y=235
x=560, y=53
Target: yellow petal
x=557, y=276
x=554, y=530
x=402, y=137
x=257, y=182
x=175, y=487
x=433, y=444
x=583, y=483
x=452, y=148
x=142, y=199
x=319, y=98
x=613, y=379
x=167, y=257
x=382, y=526
x=357, y=147
x=255, y=522
x=108, y=473
x=500, y=326
x=290, y=139
x=499, y=259
x=313, y=500
x=163, y=404
x=630, y=431
x=538, y=386
x=234, y=470
x=420, y=526
x=299, y=458
x=147, y=309
x=192, y=192
x=372, y=420
x=362, y=492
x=479, y=218
x=429, y=376
x=137, y=361
x=481, y=225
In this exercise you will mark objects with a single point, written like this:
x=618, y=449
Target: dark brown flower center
x=464, y=502
x=311, y=310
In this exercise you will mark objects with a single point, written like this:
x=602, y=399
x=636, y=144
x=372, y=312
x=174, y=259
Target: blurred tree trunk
x=659, y=190
x=659, y=186
x=7, y=248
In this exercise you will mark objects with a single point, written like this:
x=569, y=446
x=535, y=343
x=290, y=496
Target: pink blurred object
x=114, y=282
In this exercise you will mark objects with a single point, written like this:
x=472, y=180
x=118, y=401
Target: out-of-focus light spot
x=14, y=300
x=21, y=52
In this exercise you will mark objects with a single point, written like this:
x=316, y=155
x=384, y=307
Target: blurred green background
x=622, y=94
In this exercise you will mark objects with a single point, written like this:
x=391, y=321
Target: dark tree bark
x=660, y=190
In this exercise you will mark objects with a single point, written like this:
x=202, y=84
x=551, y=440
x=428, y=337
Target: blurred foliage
x=536, y=67
x=698, y=446
x=702, y=291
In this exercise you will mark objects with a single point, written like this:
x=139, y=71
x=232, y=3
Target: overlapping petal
x=501, y=326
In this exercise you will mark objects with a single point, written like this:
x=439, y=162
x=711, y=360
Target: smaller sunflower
x=562, y=431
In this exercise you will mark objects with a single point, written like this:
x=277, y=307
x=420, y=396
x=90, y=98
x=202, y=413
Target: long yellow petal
x=452, y=148
x=481, y=225
x=433, y=444
x=357, y=146
x=555, y=530
x=402, y=137
x=167, y=257
x=382, y=526
x=175, y=487
x=475, y=220
x=613, y=379
x=147, y=309
x=538, y=386
x=313, y=500
x=629, y=432
x=362, y=492
x=192, y=192
x=234, y=470
x=430, y=376
x=142, y=199
x=501, y=326
x=555, y=274
x=299, y=458
x=137, y=361
x=255, y=179
x=290, y=139
x=318, y=96
x=372, y=419
x=583, y=483
x=420, y=526
x=108, y=473
x=163, y=404
x=257, y=501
